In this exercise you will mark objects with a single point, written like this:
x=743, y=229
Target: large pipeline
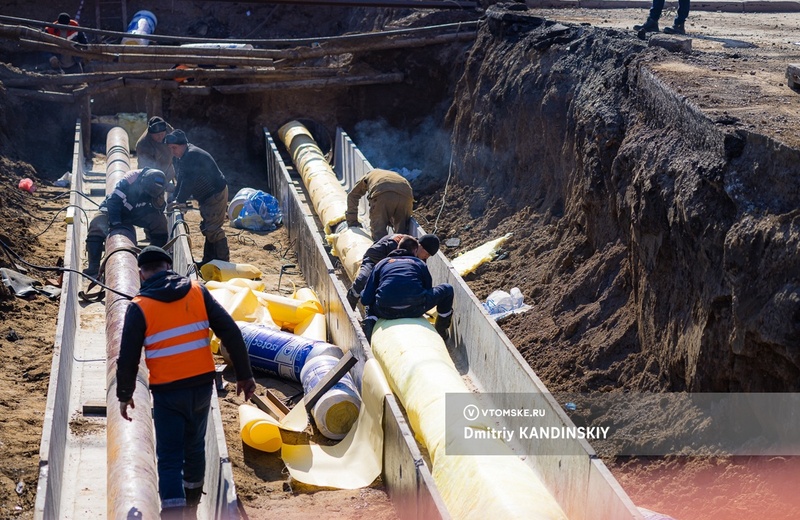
x=132, y=476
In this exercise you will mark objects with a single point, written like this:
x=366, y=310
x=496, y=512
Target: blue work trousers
x=440, y=297
x=180, y=417
x=683, y=11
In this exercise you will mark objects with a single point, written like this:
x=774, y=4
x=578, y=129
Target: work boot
x=193, y=496
x=352, y=298
x=676, y=28
x=172, y=513
x=208, y=253
x=442, y=325
x=649, y=25
x=368, y=325
x=221, y=251
x=158, y=240
x=94, y=252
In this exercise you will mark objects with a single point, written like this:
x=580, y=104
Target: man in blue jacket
x=137, y=200
x=429, y=246
x=401, y=286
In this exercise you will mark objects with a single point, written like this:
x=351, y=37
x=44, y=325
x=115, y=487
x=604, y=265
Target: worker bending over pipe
x=401, y=286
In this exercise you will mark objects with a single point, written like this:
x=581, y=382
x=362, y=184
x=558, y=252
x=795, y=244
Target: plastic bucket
x=337, y=410
x=276, y=352
x=143, y=22
x=237, y=203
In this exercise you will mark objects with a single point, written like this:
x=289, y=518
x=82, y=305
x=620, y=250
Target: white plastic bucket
x=237, y=203
x=143, y=22
x=337, y=410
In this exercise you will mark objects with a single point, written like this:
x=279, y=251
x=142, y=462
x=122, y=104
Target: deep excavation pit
x=657, y=246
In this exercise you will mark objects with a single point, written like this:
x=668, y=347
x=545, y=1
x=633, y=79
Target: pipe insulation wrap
x=328, y=196
x=420, y=373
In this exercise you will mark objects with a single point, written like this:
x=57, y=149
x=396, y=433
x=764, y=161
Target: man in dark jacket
x=137, y=200
x=391, y=201
x=400, y=286
x=200, y=178
x=152, y=152
x=170, y=318
x=380, y=250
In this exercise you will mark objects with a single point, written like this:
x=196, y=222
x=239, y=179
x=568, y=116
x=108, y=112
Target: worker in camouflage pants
x=391, y=201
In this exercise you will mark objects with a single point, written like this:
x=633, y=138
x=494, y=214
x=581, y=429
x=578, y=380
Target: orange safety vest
x=56, y=32
x=176, y=343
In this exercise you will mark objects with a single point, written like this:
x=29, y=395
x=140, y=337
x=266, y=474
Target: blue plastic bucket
x=143, y=22
x=278, y=353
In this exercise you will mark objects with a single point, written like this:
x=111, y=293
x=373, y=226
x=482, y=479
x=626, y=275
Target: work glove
x=352, y=298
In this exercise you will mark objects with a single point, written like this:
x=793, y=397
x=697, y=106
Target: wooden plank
x=277, y=402
x=331, y=378
x=267, y=406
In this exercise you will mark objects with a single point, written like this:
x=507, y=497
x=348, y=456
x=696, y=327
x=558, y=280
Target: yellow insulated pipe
x=327, y=195
x=132, y=478
x=420, y=371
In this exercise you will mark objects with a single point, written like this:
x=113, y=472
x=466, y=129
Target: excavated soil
x=651, y=194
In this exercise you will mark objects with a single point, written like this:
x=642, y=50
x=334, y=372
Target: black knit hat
x=64, y=19
x=429, y=243
x=176, y=137
x=155, y=125
x=153, y=254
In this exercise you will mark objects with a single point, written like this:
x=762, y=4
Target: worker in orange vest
x=64, y=62
x=170, y=318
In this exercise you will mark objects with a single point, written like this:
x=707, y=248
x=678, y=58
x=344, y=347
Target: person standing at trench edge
x=170, y=318
x=200, y=178
x=651, y=24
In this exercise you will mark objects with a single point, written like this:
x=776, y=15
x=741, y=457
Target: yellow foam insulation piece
x=258, y=429
x=221, y=271
x=420, y=372
x=256, y=285
x=349, y=246
x=288, y=312
x=327, y=195
x=314, y=326
x=356, y=461
x=472, y=259
x=242, y=303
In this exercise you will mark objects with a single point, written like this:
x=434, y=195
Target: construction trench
x=658, y=247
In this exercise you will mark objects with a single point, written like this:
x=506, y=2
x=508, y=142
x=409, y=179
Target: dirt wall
x=660, y=248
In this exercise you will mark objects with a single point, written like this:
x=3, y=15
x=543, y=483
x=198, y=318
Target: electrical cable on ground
x=85, y=215
x=444, y=195
x=94, y=281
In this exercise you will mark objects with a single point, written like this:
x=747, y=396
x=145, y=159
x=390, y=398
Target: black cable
x=12, y=253
x=59, y=212
x=66, y=194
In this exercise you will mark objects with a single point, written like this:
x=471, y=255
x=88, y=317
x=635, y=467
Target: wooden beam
x=331, y=378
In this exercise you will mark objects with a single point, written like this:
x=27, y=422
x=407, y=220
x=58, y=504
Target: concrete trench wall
x=56, y=415
x=407, y=477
